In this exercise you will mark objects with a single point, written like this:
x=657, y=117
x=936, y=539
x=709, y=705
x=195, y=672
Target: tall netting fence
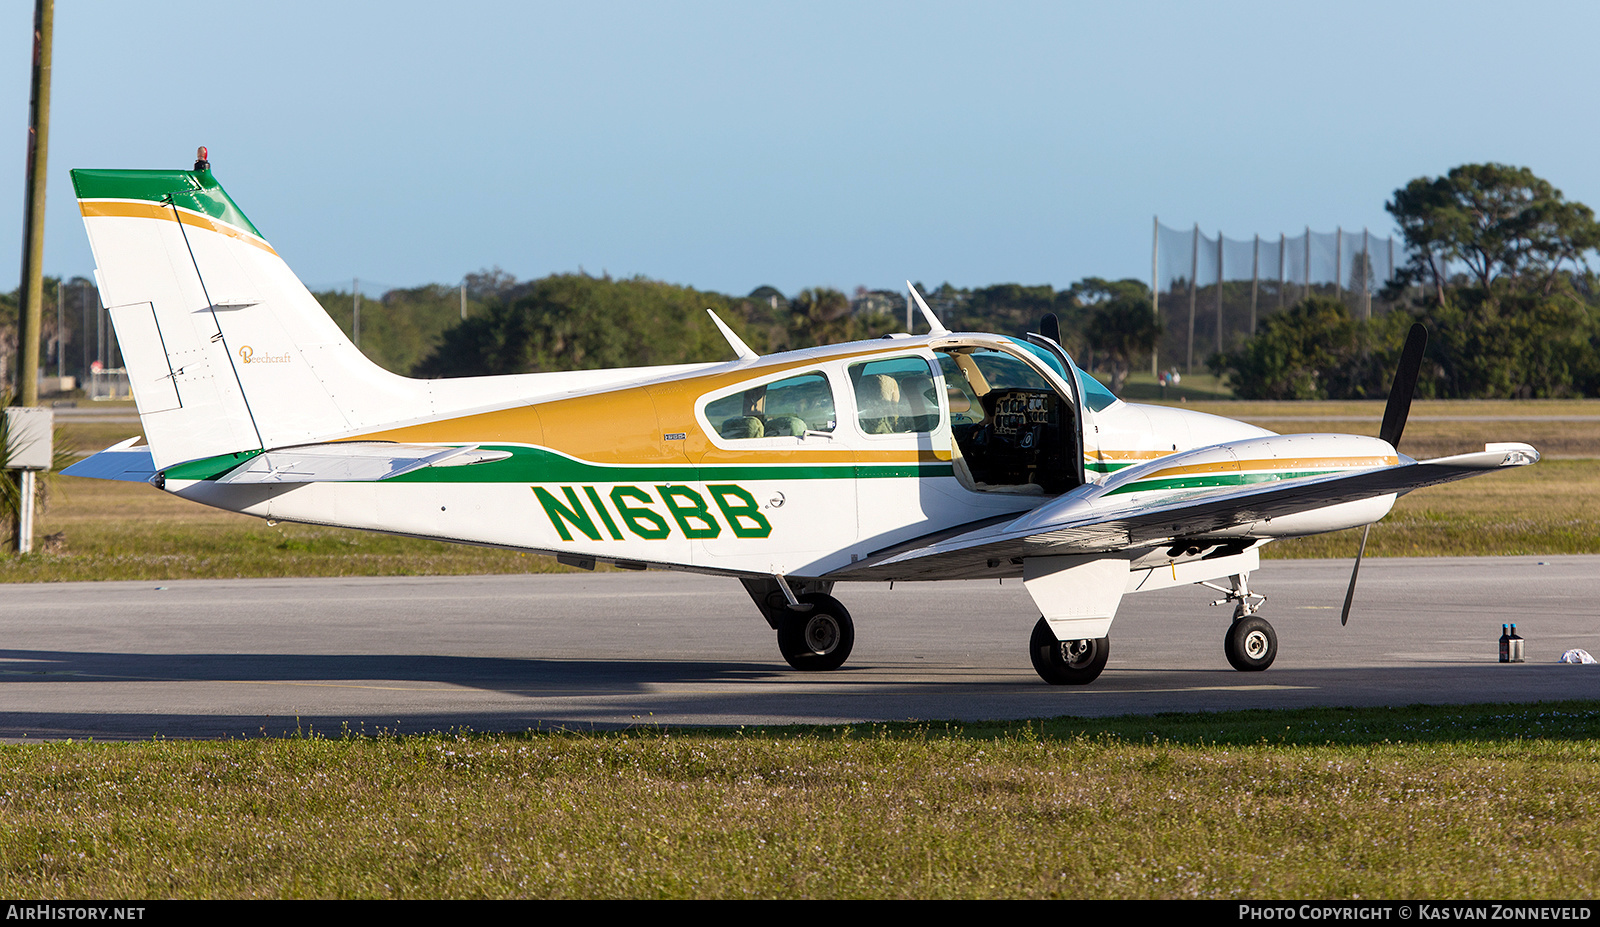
x=1213, y=290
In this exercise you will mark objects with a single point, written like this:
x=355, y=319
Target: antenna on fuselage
x=933, y=320
x=734, y=341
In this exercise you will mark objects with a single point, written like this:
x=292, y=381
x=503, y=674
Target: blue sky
x=729, y=145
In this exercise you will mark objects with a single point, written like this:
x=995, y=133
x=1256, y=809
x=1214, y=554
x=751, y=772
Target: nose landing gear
x=1251, y=644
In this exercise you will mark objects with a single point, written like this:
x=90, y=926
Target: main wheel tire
x=1251, y=644
x=819, y=638
x=1067, y=663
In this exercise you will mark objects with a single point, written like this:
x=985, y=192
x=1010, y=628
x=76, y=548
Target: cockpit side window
x=788, y=407
x=895, y=396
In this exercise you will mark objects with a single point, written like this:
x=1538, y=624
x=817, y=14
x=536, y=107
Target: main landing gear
x=1250, y=644
x=816, y=635
x=814, y=629
x=1067, y=663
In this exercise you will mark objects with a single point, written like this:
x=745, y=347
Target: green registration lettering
x=560, y=515
x=741, y=511
x=687, y=507
x=611, y=526
x=643, y=521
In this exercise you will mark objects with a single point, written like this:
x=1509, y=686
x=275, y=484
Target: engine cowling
x=1221, y=467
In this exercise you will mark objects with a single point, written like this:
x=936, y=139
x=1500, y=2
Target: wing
x=1096, y=519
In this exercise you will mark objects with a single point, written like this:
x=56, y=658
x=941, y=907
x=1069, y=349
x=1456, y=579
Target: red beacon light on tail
x=200, y=162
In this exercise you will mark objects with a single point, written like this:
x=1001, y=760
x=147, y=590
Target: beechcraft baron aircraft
x=950, y=455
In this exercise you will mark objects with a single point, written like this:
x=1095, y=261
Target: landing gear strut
x=1067, y=663
x=1251, y=644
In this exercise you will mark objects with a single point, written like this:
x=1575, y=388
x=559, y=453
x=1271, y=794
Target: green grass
x=1483, y=801
x=1552, y=507
x=1195, y=387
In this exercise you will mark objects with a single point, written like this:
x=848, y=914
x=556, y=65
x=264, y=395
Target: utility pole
x=33, y=208
x=463, y=301
x=83, y=333
x=355, y=322
x=32, y=288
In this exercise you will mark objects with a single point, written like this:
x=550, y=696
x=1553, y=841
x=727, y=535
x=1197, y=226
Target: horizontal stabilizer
x=121, y=461
x=352, y=461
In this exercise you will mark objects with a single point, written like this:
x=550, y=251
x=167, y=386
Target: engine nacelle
x=1266, y=460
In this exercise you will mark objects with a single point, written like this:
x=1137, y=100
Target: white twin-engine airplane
x=950, y=455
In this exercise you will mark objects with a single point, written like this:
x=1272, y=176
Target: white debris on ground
x=1577, y=656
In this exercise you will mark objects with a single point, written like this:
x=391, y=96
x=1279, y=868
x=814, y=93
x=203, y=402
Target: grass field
x=1486, y=801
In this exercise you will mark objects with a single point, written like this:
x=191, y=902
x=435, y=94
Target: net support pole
x=1255, y=280
x=1366, y=274
x=1283, y=267
x=1306, y=280
x=1194, y=271
x=1155, y=291
x=1219, y=291
x=1338, y=263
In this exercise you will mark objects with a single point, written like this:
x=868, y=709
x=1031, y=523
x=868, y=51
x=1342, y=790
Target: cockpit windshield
x=1095, y=395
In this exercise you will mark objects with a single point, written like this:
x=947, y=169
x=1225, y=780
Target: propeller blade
x=1050, y=327
x=1395, y=414
x=1404, y=386
x=1350, y=594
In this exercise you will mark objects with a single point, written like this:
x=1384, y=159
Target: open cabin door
x=1014, y=429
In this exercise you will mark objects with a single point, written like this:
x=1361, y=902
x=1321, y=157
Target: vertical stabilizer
x=226, y=350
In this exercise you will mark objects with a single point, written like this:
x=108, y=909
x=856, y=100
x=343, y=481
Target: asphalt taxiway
x=221, y=658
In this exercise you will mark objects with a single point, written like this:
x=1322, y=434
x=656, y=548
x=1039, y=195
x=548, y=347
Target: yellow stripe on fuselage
x=629, y=425
x=1282, y=463
x=141, y=209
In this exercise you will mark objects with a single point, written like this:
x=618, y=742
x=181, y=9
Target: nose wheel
x=1251, y=644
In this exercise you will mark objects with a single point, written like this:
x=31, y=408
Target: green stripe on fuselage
x=538, y=465
x=1216, y=481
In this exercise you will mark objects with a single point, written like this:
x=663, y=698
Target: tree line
x=1497, y=269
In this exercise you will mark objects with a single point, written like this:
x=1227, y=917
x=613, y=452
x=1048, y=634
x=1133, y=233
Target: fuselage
x=794, y=464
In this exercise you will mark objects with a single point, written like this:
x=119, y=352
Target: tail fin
x=226, y=350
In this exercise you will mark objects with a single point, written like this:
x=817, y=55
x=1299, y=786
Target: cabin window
x=789, y=407
x=895, y=396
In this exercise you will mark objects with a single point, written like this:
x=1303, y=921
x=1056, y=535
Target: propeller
x=1394, y=425
x=1050, y=327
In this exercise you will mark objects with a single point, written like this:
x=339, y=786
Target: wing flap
x=1088, y=521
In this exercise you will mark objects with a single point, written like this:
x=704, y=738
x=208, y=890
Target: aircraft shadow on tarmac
x=511, y=676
